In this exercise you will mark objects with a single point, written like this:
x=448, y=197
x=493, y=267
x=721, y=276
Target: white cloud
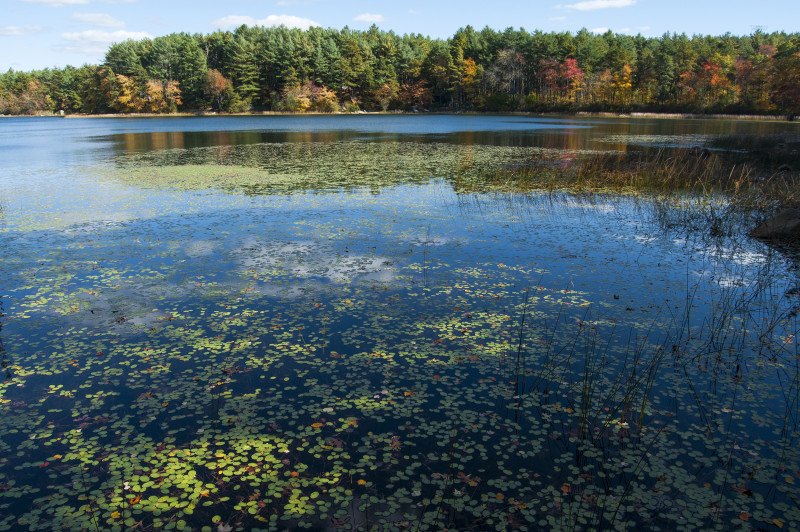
x=370, y=17
x=99, y=19
x=234, y=21
x=598, y=30
x=290, y=21
x=626, y=30
x=58, y=3
x=591, y=5
x=21, y=30
x=98, y=41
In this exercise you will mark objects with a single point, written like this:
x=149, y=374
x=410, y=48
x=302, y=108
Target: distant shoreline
x=582, y=114
x=692, y=116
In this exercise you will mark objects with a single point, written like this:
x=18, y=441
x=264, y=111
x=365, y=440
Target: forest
x=330, y=70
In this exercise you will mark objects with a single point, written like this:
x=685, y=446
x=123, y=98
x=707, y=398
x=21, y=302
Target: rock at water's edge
x=783, y=226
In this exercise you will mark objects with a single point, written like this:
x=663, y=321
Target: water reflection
x=56, y=142
x=167, y=140
x=574, y=134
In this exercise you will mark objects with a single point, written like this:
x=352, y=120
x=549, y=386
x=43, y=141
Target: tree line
x=328, y=70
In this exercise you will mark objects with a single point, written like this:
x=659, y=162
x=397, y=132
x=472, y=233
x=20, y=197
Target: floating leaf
x=252, y=307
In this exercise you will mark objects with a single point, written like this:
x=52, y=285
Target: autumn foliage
x=327, y=70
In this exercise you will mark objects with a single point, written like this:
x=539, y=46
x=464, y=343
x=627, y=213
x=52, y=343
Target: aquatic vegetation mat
x=325, y=166
x=392, y=356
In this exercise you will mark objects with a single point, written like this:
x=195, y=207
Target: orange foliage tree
x=219, y=88
x=415, y=95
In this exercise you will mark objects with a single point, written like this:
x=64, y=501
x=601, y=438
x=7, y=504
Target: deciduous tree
x=219, y=89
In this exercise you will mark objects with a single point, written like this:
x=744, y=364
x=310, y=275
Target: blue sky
x=53, y=33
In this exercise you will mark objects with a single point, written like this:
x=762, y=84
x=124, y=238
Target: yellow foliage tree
x=326, y=101
x=128, y=100
x=622, y=84
x=154, y=101
x=162, y=97
x=470, y=75
x=306, y=97
x=172, y=95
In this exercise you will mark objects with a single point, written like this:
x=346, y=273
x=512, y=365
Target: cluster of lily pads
x=393, y=357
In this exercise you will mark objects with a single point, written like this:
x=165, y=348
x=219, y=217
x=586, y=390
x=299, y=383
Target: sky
x=36, y=34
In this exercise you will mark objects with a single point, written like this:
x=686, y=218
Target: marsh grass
x=612, y=395
x=710, y=176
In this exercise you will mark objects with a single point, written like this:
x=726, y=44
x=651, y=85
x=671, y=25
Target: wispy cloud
x=370, y=17
x=290, y=21
x=98, y=41
x=626, y=30
x=21, y=30
x=99, y=19
x=591, y=5
x=557, y=18
x=58, y=3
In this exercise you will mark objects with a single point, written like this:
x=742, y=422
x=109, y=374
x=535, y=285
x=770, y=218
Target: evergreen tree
x=486, y=69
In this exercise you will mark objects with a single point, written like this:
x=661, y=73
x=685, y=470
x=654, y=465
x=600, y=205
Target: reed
x=612, y=393
x=90, y=500
x=709, y=175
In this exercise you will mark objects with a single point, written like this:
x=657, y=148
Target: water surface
x=278, y=322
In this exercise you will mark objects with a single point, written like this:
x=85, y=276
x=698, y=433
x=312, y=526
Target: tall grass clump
x=714, y=191
x=661, y=171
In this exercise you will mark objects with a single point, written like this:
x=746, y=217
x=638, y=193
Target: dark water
x=299, y=322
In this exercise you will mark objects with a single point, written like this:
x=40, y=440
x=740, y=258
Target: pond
x=285, y=322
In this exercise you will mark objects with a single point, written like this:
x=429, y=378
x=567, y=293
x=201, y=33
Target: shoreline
x=688, y=116
x=582, y=114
